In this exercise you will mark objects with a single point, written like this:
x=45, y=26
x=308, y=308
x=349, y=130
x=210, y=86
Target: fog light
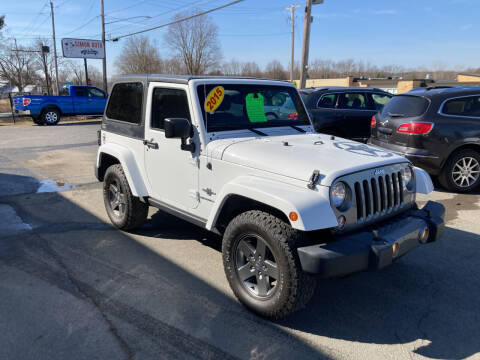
x=395, y=249
x=423, y=238
x=341, y=221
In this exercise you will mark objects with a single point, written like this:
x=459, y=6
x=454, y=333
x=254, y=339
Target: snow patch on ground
x=48, y=185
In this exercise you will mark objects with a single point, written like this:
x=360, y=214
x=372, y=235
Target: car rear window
x=406, y=106
x=126, y=103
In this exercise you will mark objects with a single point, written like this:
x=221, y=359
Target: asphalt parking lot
x=71, y=286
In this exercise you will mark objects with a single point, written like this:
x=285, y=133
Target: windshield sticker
x=255, y=108
x=214, y=99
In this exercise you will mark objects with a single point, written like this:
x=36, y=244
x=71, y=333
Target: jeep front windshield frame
x=250, y=106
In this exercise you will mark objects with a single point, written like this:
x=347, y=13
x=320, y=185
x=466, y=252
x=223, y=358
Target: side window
x=380, y=100
x=467, y=106
x=126, y=103
x=64, y=91
x=92, y=92
x=81, y=91
x=327, y=101
x=354, y=101
x=168, y=103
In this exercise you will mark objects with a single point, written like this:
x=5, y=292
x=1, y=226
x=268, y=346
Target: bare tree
x=251, y=68
x=139, y=56
x=275, y=70
x=17, y=65
x=174, y=66
x=195, y=42
x=232, y=68
x=74, y=72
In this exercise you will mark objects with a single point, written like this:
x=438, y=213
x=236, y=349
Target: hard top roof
x=340, y=89
x=183, y=79
x=432, y=91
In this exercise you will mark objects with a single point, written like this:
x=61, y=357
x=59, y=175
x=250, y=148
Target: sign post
x=86, y=70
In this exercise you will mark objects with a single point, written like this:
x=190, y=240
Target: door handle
x=89, y=99
x=150, y=144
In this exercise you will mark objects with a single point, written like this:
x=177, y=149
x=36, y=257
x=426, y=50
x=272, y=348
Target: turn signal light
x=293, y=216
x=415, y=128
x=373, y=122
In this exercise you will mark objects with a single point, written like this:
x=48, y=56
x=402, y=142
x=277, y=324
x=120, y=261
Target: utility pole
x=57, y=90
x=306, y=43
x=102, y=14
x=20, y=79
x=292, y=19
x=306, y=40
x=46, y=49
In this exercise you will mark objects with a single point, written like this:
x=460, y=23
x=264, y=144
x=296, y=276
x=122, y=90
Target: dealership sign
x=81, y=48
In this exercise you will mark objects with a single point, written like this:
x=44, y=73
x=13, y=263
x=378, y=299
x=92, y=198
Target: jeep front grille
x=375, y=195
x=378, y=195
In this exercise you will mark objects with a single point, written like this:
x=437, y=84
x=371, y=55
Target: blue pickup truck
x=74, y=100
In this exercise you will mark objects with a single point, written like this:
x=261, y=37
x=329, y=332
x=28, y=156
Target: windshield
x=405, y=106
x=235, y=106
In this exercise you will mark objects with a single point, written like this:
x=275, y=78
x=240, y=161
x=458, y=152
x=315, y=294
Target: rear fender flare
x=312, y=206
x=129, y=165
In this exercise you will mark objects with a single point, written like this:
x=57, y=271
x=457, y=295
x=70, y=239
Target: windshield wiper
x=298, y=129
x=395, y=115
x=258, y=132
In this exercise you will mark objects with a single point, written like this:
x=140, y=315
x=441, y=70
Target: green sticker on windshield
x=255, y=108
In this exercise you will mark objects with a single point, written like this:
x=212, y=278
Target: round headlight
x=407, y=177
x=338, y=194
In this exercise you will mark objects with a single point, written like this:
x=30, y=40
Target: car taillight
x=415, y=128
x=293, y=116
x=373, y=122
x=26, y=101
x=99, y=137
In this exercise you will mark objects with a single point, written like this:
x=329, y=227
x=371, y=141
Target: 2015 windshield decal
x=214, y=99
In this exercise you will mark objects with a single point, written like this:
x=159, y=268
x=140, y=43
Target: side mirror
x=176, y=128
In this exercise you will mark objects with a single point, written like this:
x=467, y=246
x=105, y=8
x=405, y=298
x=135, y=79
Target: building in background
x=394, y=85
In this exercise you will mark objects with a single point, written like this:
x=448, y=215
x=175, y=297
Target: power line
x=111, y=31
x=179, y=20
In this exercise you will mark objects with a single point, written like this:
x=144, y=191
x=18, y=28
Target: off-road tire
x=446, y=179
x=50, y=116
x=294, y=288
x=136, y=211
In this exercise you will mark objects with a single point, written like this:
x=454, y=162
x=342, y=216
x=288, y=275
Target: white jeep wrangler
x=291, y=204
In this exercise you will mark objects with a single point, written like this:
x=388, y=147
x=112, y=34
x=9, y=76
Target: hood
x=297, y=156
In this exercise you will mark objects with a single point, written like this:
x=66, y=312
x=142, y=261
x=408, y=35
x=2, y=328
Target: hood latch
x=313, y=179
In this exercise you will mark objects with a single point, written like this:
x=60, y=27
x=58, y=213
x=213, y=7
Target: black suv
x=344, y=111
x=438, y=129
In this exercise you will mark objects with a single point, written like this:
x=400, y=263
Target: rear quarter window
x=406, y=106
x=125, y=103
x=465, y=106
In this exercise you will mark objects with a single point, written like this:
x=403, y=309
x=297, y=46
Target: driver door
x=172, y=173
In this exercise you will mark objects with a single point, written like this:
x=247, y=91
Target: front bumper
x=374, y=247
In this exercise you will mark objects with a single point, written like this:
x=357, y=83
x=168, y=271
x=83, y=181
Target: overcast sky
x=411, y=33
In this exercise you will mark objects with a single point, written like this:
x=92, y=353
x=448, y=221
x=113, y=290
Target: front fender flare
x=313, y=207
x=129, y=165
x=423, y=182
